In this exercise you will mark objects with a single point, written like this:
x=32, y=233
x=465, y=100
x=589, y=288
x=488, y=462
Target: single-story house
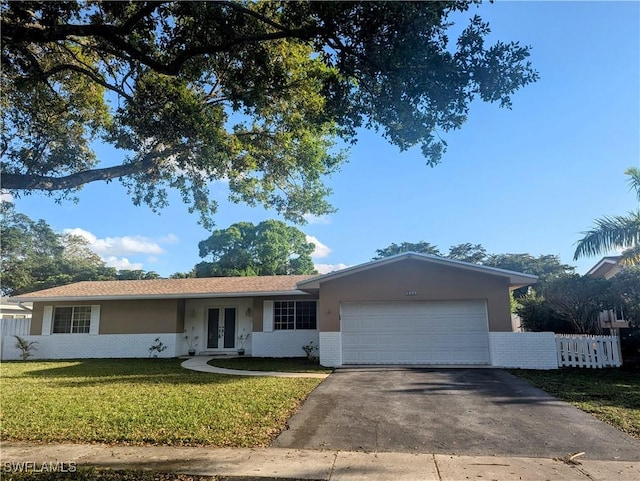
x=406, y=309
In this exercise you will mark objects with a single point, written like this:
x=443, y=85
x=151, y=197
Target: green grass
x=143, y=401
x=295, y=364
x=611, y=395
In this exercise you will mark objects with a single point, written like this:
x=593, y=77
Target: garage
x=433, y=332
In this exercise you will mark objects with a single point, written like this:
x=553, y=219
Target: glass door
x=221, y=328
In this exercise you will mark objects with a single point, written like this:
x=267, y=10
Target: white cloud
x=169, y=239
x=321, y=249
x=5, y=196
x=125, y=245
x=317, y=219
x=326, y=268
x=121, y=263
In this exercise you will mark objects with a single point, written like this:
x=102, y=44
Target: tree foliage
x=35, y=257
x=136, y=275
x=244, y=249
x=625, y=289
x=579, y=301
x=621, y=232
x=537, y=315
x=546, y=266
x=474, y=253
x=254, y=92
x=419, y=247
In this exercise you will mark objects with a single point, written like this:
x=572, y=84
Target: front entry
x=221, y=332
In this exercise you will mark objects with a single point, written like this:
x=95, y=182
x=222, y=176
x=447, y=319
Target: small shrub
x=25, y=347
x=191, y=340
x=311, y=350
x=156, y=348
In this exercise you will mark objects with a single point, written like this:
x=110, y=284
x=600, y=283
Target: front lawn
x=611, y=395
x=143, y=401
x=292, y=364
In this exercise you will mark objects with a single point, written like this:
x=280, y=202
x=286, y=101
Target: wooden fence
x=588, y=351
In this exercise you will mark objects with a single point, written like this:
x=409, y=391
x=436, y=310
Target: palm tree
x=618, y=232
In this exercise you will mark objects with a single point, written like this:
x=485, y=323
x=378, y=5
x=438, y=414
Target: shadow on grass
x=88, y=372
x=617, y=388
x=289, y=364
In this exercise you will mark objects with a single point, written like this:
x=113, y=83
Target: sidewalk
x=200, y=363
x=266, y=463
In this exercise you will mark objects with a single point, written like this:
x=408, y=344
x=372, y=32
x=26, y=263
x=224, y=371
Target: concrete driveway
x=471, y=412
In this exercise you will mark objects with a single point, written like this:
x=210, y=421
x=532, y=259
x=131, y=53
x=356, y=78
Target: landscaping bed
x=290, y=364
x=611, y=395
x=143, y=401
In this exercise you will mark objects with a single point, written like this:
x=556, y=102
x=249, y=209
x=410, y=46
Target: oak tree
x=256, y=93
x=244, y=249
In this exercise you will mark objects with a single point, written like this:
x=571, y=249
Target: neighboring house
x=612, y=319
x=12, y=309
x=15, y=319
x=406, y=309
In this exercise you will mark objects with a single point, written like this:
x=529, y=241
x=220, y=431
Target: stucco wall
x=427, y=282
x=126, y=317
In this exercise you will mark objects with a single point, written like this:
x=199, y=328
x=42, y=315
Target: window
x=294, y=315
x=72, y=320
x=618, y=314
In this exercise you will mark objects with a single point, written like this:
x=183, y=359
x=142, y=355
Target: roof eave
x=199, y=295
x=609, y=261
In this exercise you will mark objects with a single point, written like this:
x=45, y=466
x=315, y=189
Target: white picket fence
x=588, y=351
x=10, y=328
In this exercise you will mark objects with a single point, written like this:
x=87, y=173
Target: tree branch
x=12, y=181
x=88, y=73
x=256, y=15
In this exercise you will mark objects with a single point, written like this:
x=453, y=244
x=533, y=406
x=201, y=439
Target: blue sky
x=526, y=180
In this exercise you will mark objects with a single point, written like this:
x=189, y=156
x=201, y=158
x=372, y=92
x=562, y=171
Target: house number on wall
x=411, y=293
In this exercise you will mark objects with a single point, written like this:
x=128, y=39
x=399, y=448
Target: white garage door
x=439, y=332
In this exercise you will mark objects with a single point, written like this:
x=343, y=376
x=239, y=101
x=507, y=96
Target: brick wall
x=331, y=349
x=282, y=343
x=79, y=346
x=525, y=350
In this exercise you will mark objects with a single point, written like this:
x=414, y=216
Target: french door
x=221, y=323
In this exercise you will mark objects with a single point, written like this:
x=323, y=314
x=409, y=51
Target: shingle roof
x=161, y=288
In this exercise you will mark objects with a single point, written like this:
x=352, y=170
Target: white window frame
x=73, y=320
x=295, y=315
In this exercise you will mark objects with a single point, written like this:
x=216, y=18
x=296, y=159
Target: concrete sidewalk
x=200, y=363
x=266, y=463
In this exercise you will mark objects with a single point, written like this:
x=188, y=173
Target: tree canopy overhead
x=253, y=92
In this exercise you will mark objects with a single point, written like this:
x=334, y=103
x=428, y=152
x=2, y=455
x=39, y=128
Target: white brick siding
x=77, y=346
x=331, y=349
x=282, y=343
x=525, y=350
